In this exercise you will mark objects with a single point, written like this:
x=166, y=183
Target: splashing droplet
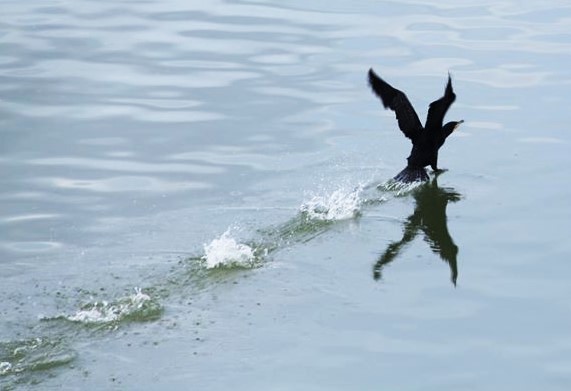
x=226, y=251
x=341, y=204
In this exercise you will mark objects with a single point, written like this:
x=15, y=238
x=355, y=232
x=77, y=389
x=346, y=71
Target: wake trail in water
x=138, y=306
x=33, y=355
x=315, y=216
x=221, y=257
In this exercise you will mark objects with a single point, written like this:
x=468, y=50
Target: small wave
x=35, y=354
x=5, y=367
x=136, y=307
x=341, y=204
x=225, y=251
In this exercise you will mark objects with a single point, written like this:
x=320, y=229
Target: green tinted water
x=143, y=142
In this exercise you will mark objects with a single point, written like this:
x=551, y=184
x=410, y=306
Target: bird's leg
x=434, y=166
x=438, y=171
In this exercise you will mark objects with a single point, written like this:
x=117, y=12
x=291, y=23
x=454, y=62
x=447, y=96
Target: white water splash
x=341, y=204
x=5, y=367
x=400, y=188
x=34, y=354
x=226, y=251
x=106, y=312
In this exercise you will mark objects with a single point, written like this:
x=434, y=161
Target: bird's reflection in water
x=429, y=217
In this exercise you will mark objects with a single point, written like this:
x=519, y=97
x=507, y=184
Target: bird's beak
x=458, y=124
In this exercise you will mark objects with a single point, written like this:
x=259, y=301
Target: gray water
x=143, y=141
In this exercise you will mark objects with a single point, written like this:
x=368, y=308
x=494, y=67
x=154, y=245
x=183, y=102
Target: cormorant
x=427, y=140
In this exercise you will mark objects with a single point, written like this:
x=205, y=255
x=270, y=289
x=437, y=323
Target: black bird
x=427, y=140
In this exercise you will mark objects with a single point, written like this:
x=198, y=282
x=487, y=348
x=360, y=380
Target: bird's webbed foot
x=437, y=171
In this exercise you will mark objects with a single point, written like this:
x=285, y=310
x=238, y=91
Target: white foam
x=105, y=312
x=5, y=367
x=226, y=251
x=341, y=204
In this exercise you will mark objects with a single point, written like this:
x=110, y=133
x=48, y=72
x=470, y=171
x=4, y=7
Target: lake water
x=193, y=196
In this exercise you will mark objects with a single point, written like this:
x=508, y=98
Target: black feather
x=396, y=100
x=437, y=109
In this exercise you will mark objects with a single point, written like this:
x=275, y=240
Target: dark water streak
x=428, y=218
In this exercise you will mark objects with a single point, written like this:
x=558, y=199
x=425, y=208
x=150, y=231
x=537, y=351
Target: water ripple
x=145, y=124
x=125, y=165
x=124, y=183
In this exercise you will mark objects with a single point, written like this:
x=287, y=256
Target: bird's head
x=450, y=127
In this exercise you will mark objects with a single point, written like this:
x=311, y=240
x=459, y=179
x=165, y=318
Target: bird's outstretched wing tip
x=449, y=84
x=377, y=85
x=371, y=75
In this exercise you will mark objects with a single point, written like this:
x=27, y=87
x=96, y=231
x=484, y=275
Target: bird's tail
x=411, y=174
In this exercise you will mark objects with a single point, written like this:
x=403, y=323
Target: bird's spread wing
x=437, y=109
x=397, y=101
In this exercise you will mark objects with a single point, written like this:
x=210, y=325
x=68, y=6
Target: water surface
x=143, y=142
